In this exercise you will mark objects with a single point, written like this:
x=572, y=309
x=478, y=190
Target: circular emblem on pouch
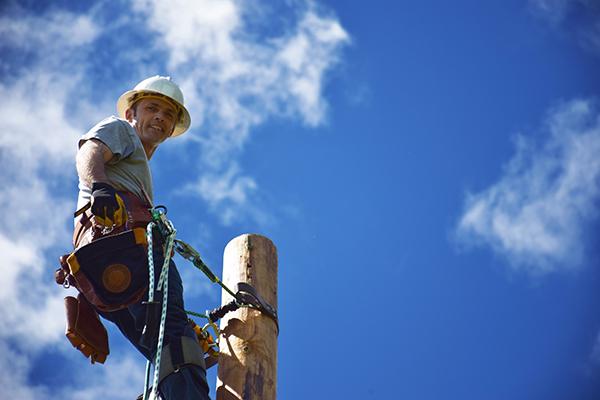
x=116, y=278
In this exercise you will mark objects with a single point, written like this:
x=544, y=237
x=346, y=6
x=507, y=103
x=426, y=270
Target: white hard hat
x=162, y=86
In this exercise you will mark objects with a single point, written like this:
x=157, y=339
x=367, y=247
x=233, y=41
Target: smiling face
x=154, y=120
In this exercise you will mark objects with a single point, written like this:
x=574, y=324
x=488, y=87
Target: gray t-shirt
x=128, y=170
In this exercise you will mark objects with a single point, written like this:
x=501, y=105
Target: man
x=115, y=189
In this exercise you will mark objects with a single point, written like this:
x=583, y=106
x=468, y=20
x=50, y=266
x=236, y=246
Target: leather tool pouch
x=112, y=272
x=109, y=269
x=84, y=329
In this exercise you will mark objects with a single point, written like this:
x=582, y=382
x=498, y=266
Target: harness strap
x=178, y=353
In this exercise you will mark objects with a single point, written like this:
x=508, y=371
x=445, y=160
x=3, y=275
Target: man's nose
x=160, y=116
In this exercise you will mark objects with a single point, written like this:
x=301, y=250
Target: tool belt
x=109, y=268
x=88, y=230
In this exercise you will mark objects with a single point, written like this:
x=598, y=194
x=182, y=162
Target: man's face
x=155, y=120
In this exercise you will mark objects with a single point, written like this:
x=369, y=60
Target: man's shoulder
x=111, y=122
x=114, y=132
x=111, y=126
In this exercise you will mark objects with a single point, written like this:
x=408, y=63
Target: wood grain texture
x=248, y=361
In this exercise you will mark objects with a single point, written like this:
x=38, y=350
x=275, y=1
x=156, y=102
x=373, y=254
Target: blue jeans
x=189, y=382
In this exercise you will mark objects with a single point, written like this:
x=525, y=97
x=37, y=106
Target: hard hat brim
x=180, y=127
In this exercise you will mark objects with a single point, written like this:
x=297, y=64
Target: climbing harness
x=109, y=270
x=207, y=340
x=246, y=296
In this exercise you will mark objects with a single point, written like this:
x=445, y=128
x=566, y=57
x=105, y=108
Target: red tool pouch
x=84, y=329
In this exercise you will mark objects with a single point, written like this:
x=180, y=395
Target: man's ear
x=129, y=114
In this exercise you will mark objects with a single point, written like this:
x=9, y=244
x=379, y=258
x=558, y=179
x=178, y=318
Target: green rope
x=189, y=253
x=166, y=229
x=150, y=295
x=195, y=314
x=162, y=284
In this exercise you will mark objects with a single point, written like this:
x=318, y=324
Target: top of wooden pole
x=248, y=360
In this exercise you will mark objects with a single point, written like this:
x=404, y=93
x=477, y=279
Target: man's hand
x=107, y=205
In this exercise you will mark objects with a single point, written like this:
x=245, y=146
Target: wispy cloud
x=579, y=17
x=224, y=191
x=41, y=97
x=228, y=191
x=124, y=373
x=236, y=77
x=595, y=354
x=122, y=378
x=553, y=10
x=13, y=379
x=62, y=29
x=535, y=215
x=37, y=150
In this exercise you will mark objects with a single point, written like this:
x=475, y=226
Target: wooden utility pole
x=247, y=368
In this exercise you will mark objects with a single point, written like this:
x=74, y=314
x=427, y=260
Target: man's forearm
x=90, y=161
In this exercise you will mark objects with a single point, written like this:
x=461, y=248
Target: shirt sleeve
x=114, y=133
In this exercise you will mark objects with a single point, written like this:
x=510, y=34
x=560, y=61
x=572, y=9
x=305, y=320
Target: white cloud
x=229, y=187
x=15, y=367
x=582, y=17
x=196, y=285
x=62, y=29
x=122, y=378
x=37, y=131
x=595, y=354
x=535, y=215
x=235, y=79
x=124, y=373
x=37, y=148
x=305, y=56
x=26, y=293
x=199, y=31
x=37, y=107
x=228, y=192
x=553, y=10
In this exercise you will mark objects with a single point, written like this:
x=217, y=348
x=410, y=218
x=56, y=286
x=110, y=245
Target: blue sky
x=429, y=172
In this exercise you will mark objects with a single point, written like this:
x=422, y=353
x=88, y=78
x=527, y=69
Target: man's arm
x=107, y=205
x=91, y=157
